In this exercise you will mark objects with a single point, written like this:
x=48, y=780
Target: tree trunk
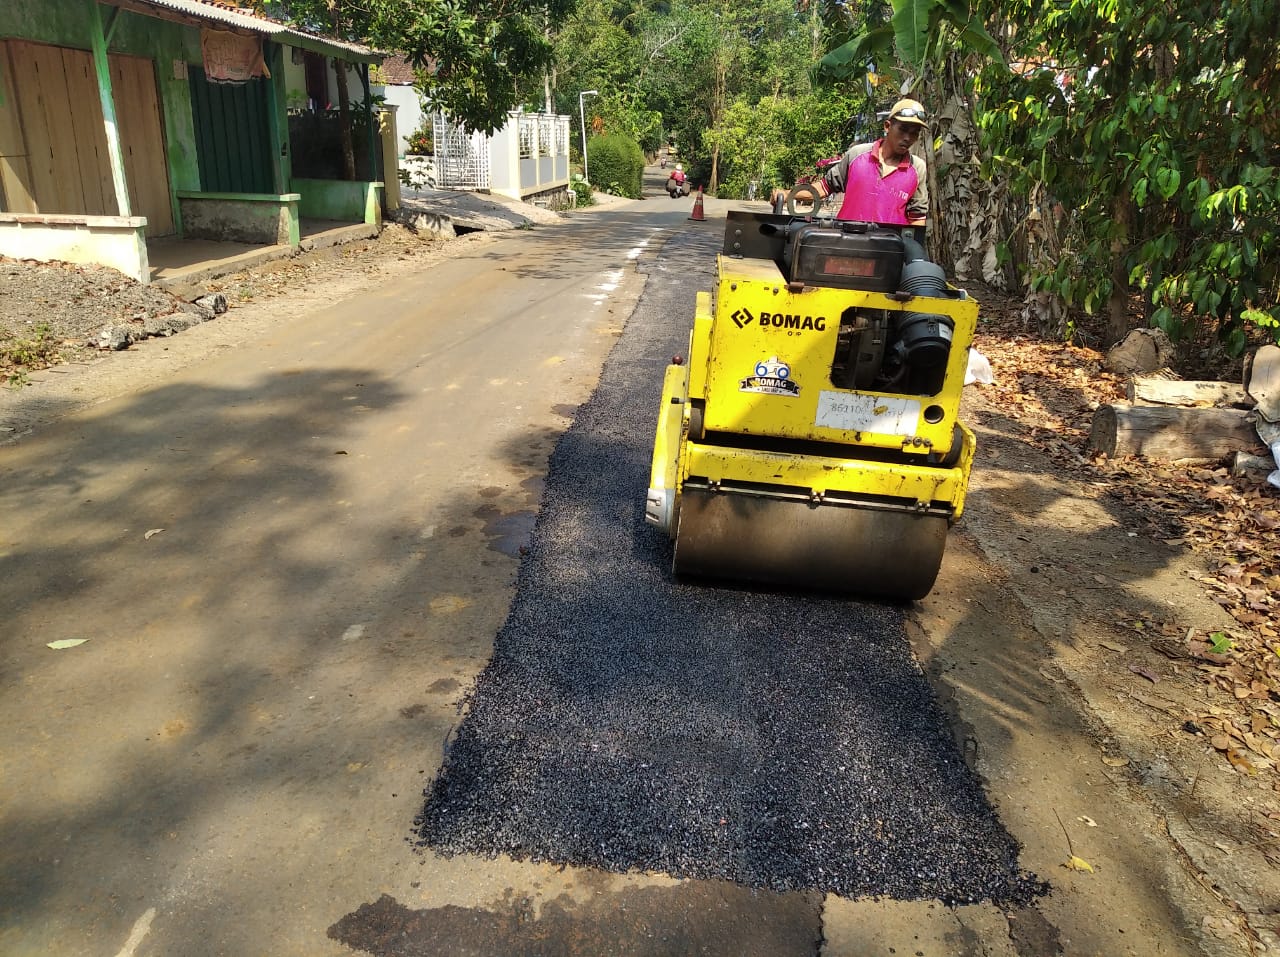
x=717, y=108
x=344, y=121
x=1118, y=321
x=1162, y=432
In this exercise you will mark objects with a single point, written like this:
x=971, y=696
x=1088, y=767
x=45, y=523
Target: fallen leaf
x=1115, y=761
x=1112, y=646
x=152, y=533
x=66, y=643
x=1145, y=672
x=1221, y=644
x=1087, y=821
x=1240, y=762
x=1078, y=864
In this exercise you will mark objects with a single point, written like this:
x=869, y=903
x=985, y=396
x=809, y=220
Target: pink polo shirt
x=870, y=194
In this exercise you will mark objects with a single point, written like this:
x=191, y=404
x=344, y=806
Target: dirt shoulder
x=1146, y=593
x=1152, y=593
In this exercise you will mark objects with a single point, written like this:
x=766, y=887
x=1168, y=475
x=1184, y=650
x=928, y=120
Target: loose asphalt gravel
x=628, y=721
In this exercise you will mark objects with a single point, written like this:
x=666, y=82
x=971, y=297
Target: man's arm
x=918, y=204
x=836, y=176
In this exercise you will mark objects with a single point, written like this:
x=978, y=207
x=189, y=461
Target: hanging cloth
x=231, y=57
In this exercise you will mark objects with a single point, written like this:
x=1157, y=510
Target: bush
x=582, y=189
x=421, y=142
x=616, y=160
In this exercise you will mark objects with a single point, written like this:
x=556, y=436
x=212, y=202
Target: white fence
x=462, y=158
x=529, y=155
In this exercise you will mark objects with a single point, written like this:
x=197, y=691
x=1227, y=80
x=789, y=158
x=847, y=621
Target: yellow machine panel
x=769, y=364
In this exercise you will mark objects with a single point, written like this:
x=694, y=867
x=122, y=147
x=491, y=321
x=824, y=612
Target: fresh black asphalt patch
x=628, y=721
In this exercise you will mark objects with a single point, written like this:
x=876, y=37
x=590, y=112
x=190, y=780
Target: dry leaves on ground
x=1048, y=392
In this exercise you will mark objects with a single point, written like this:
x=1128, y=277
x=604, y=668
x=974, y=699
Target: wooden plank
x=54, y=98
x=1156, y=391
x=44, y=176
x=15, y=171
x=84, y=110
x=50, y=96
x=142, y=139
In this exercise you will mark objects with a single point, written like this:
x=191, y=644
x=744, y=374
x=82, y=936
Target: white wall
x=115, y=241
x=409, y=116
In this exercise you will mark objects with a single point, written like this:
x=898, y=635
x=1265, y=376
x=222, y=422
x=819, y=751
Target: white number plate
x=867, y=413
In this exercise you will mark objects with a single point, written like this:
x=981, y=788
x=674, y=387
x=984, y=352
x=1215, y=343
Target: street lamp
x=582, y=118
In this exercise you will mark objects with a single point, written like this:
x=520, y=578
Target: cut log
x=1262, y=380
x=1170, y=432
x=1144, y=389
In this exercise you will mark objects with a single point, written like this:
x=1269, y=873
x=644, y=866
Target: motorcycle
x=677, y=188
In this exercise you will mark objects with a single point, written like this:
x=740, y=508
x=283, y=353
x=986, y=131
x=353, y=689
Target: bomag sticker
x=791, y=323
x=772, y=377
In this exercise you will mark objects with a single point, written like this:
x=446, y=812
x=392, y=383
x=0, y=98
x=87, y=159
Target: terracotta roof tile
x=397, y=71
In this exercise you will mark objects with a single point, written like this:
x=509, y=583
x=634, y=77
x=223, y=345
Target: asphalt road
x=303, y=569
x=288, y=561
x=629, y=721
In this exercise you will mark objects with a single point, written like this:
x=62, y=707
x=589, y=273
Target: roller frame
x=770, y=494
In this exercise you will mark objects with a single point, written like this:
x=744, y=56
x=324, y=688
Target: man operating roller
x=883, y=182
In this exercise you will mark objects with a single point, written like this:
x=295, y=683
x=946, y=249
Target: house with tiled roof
x=398, y=78
x=127, y=122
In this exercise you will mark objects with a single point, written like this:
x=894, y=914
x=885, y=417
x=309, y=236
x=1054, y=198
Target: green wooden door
x=233, y=142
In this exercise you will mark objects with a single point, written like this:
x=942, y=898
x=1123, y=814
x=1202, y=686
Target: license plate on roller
x=885, y=415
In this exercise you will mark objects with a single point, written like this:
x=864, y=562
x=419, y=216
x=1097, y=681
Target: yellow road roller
x=812, y=438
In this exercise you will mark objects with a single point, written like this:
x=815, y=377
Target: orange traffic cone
x=696, y=215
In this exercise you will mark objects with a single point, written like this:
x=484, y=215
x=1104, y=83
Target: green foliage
x=617, y=162
x=421, y=142
x=913, y=34
x=1158, y=136
x=583, y=191
x=476, y=60
x=1219, y=643
x=774, y=143
x=21, y=356
x=625, y=113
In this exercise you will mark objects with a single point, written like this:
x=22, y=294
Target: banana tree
x=912, y=35
x=930, y=47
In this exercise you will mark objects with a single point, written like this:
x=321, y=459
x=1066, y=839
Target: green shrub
x=421, y=141
x=582, y=189
x=20, y=356
x=616, y=160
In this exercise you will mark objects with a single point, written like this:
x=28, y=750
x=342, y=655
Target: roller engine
x=812, y=438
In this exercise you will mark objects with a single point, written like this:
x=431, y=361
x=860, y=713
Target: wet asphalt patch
x=627, y=721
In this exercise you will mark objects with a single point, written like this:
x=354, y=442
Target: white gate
x=462, y=158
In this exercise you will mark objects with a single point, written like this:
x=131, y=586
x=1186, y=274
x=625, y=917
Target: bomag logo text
x=794, y=323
